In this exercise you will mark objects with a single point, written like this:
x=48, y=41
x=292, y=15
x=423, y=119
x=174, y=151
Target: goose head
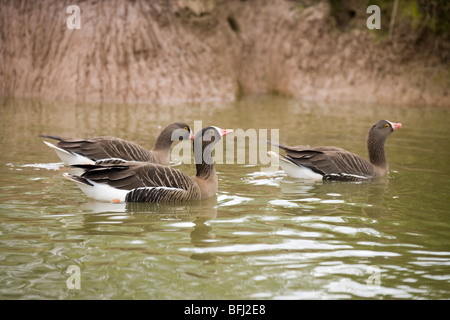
x=376, y=139
x=180, y=131
x=204, y=142
x=383, y=129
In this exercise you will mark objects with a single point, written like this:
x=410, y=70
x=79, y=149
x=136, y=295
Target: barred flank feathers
x=156, y=195
x=345, y=177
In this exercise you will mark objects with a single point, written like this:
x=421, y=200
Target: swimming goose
x=332, y=163
x=150, y=182
x=116, y=150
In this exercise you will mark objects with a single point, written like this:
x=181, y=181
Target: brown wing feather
x=331, y=160
x=147, y=182
x=317, y=161
x=351, y=163
x=305, y=147
x=107, y=147
x=158, y=195
x=137, y=175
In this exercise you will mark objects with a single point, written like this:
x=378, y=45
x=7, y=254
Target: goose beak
x=191, y=136
x=224, y=132
x=396, y=126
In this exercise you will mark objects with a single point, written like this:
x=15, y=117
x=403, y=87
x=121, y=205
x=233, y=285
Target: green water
x=264, y=236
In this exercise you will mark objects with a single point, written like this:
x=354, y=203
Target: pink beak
x=224, y=132
x=397, y=126
x=191, y=136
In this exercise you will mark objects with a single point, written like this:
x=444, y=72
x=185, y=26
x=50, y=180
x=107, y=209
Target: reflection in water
x=368, y=196
x=139, y=220
x=205, y=209
x=375, y=197
x=98, y=214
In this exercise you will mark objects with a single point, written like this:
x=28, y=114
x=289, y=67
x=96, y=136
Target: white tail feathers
x=69, y=158
x=98, y=191
x=294, y=170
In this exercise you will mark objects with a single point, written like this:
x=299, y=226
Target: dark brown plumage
x=332, y=163
x=120, y=150
x=149, y=182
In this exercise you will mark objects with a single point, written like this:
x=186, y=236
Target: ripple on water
x=266, y=237
x=264, y=178
x=288, y=244
x=225, y=200
x=47, y=166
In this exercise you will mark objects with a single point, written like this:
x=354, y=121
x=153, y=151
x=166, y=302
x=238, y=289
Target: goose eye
x=186, y=128
x=211, y=131
x=387, y=125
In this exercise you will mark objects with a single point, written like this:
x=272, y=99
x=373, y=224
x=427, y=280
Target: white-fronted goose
x=110, y=149
x=150, y=182
x=332, y=163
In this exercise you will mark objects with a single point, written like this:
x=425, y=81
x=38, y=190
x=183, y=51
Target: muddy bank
x=201, y=50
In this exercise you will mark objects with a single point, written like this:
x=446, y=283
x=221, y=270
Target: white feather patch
x=104, y=192
x=296, y=171
x=69, y=158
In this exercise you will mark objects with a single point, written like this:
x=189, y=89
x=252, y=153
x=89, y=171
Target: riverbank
x=187, y=51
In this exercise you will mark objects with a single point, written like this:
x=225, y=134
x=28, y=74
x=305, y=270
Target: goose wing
x=146, y=182
x=305, y=147
x=105, y=147
x=333, y=163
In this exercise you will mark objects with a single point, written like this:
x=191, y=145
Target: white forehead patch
x=217, y=128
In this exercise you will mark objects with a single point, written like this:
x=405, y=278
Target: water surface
x=265, y=236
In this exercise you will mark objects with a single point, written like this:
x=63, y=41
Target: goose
x=333, y=163
x=115, y=150
x=151, y=182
